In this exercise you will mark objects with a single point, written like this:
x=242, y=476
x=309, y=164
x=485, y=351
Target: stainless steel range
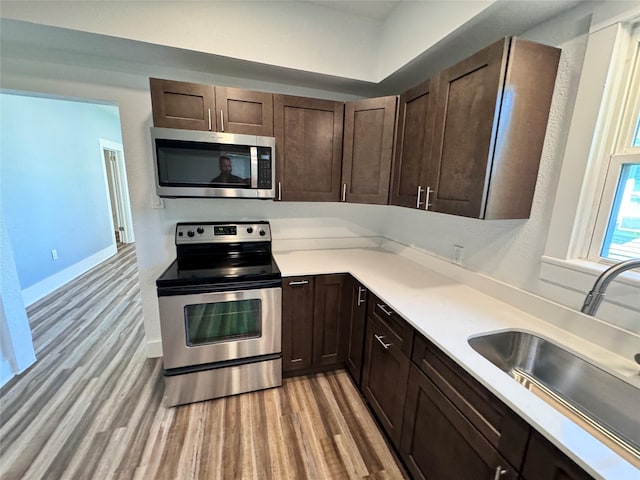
x=220, y=312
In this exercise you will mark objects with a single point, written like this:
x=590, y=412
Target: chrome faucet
x=596, y=294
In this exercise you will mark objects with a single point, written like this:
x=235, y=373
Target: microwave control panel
x=265, y=173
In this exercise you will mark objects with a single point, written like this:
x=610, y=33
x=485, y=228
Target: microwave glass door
x=199, y=164
x=225, y=321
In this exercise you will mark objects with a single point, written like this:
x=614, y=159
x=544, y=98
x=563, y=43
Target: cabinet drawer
x=404, y=332
x=505, y=430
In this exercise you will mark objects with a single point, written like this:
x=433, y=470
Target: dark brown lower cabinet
x=314, y=323
x=330, y=320
x=438, y=442
x=545, y=462
x=384, y=377
x=357, y=318
x=442, y=421
x=297, y=323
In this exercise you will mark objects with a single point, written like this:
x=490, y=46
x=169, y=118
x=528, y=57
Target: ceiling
x=504, y=17
x=378, y=10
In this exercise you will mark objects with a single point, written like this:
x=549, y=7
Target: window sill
x=586, y=267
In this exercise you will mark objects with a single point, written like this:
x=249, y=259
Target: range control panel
x=217, y=232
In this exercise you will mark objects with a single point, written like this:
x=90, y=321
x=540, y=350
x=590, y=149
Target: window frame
x=565, y=274
x=627, y=114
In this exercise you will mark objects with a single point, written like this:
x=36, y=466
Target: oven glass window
x=222, y=321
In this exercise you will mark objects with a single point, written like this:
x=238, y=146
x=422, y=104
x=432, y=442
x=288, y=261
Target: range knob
x=249, y=229
x=191, y=233
x=262, y=233
x=200, y=230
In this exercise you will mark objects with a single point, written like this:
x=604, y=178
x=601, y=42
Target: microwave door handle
x=254, y=166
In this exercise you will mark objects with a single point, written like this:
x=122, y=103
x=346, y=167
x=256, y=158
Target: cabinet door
x=438, y=442
x=505, y=431
x=297, y=323
x=181, y=104
x=545, y=461
x=330, y=320
x=308, y=135
x=414, y=137
x=244, y=111
x=384, y=380
x=368, y=147
x=466, y=122
x=357, y=313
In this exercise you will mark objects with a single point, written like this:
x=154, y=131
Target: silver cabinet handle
x=209, y=110
x=499, y=472
x=279, y=191
x=426, y=199
x=384, y=309
x=344, y=192
x=298, y=282
x=418, y=202
x=360, y=292
x=221, y=121
x=379, y=338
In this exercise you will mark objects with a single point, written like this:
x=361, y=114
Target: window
x=616, y=235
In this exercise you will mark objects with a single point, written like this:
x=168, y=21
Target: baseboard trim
x=44, y=287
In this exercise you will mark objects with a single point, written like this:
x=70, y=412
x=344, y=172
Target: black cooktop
x=216, y=256
x=219, y=273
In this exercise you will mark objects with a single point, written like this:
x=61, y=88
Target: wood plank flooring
x=91, y=406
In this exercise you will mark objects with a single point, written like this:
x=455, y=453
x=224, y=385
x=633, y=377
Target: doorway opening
x=115, y=175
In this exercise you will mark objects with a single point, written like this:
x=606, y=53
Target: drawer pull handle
x=499, y=472
x=298, y=283
x=360, y=292
x=379, y=338
x=384, y=309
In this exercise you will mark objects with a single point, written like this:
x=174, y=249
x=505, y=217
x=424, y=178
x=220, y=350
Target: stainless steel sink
x=600, y=402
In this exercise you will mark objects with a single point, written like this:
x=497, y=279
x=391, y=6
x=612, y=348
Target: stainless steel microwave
x=192, y=163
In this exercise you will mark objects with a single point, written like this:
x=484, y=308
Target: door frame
x=120, y=193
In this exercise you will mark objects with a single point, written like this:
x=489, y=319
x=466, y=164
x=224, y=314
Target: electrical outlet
x=54, y=254
x=457, y=254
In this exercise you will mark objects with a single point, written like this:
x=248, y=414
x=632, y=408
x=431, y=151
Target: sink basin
x=605, y=405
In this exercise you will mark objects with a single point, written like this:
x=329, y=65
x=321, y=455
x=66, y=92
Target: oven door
x=205, y=328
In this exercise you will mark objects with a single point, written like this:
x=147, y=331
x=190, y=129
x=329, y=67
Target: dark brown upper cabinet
x=413, y=145
x=206, y=107
x=181, y=104
x=244, y=111
x=491, y=117
x=308, y=135
x=369, y=126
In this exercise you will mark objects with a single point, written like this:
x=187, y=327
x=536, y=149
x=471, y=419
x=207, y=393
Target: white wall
x=414, y=27
x=16, y=346
x=275, y=33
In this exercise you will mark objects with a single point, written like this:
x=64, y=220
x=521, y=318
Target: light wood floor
x=90, y=407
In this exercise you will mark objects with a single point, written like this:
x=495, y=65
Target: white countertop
x=448, y=312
